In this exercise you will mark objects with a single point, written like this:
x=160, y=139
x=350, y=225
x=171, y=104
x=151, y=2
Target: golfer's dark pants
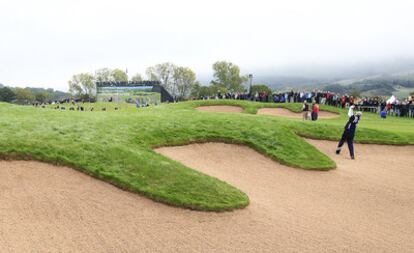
x=347, y=136
x=314, y=116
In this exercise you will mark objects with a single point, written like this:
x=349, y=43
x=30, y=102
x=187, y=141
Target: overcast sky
x=44, y=42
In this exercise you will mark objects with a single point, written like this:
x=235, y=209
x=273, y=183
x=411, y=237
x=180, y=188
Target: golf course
x=117, y=146
x=193, y=161
x=206, y=126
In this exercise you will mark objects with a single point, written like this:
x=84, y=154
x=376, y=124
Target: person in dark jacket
x=349, y=132
x=305, y=110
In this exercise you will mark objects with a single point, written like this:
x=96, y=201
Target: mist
x=45, y=42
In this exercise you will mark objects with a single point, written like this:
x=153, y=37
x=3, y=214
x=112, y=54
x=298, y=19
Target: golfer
x=349, y=131
x=305, y=110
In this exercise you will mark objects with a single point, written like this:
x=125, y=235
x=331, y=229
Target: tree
x=195, y=91
x=118, y=75
x=24, y=96
x=7, y=94
x=164, y=73
x=103, y=75
x=355, y=93
x=82, y=84
x=227, y=75
x=260, y=88
x=110, y=75
x=151, y=74
x=216, y=89
x=200, y=91
x=51, y=94
x=136, y=78
x=42, y=97
x=206, y=91
x=184, y=80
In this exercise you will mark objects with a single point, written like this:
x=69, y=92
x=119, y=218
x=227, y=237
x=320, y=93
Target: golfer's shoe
x=338, y=150
x=352, y=157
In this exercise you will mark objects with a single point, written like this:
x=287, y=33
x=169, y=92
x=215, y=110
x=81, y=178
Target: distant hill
x=290, y=82
x=376, y=78
x=52, y=94
x=398, y=84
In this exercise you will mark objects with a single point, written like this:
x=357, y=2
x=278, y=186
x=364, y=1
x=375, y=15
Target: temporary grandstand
x=142, y=92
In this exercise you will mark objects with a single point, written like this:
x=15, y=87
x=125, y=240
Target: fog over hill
x=316, y=75
x=381, y=77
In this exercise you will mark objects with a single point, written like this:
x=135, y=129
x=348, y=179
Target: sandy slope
x=287, y=113
x=364, y=206
x=220, y=108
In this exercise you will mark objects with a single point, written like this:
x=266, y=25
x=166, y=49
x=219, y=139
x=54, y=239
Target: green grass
x=117, y=146
x=97, y=107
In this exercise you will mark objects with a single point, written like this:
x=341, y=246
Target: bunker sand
x=362, y=206
x=220, y=108
x=289, y=114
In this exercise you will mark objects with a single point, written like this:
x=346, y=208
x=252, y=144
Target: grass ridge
x=117, y=147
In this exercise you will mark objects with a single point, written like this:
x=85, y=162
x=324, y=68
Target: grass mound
x=117, y=146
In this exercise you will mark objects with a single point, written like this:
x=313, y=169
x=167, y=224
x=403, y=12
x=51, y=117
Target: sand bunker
x=363, y=206
x=289, y=114
x=220, y=108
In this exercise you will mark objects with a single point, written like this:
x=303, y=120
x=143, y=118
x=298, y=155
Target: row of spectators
x=64, y=101
x=396, y=108
x=399, y=109
x=320, y=97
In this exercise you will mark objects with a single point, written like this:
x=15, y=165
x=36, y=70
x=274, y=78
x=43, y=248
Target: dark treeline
x=30, y=95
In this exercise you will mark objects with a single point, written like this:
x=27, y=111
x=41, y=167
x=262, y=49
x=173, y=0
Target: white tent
x=391, y=100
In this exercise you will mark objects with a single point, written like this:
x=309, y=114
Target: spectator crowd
x=395, y=108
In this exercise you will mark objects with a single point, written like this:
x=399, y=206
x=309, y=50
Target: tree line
x=30, y=95
x=180, y=82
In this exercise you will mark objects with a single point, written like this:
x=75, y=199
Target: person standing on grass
x=305, y=110
x=315, y=111
x=349, y=132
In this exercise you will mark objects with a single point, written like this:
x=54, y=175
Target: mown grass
x=117, y=146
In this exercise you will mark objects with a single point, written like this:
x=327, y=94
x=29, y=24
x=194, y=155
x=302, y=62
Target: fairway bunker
x=282, y=112
x=362, y=206
x=220, y=108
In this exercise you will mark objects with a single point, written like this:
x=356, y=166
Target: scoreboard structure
x=143, y=92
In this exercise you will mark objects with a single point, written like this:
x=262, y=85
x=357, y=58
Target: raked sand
x=282, y=112
x=364, y=205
